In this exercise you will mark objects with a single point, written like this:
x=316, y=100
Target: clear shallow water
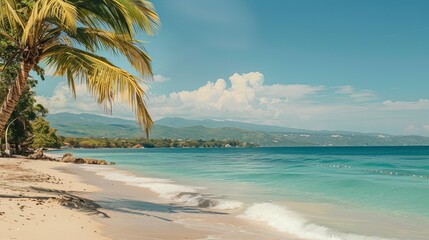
x=261, y=184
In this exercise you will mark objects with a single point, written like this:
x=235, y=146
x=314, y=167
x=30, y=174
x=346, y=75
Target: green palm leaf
x=103, y=79
x=56, y=32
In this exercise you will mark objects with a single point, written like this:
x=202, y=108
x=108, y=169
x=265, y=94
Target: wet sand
x=53, y=200
x=137, y=213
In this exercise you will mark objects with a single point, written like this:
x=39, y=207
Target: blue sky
x=347, y=65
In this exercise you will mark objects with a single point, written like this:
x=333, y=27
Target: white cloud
x=357, y=95
x=62, y=100
x=422, y=104
x=246, y=97
x=411, y=129
x=417, y=130
x=160, y=78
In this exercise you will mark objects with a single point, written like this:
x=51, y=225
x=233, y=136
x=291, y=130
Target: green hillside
x=90, y=125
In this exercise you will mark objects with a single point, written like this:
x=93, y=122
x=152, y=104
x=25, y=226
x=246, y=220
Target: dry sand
x=32, y=195
x=51, y=200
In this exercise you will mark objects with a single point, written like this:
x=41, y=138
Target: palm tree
x=67, y=35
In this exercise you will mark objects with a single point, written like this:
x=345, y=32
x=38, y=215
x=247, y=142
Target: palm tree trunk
x=14, y=94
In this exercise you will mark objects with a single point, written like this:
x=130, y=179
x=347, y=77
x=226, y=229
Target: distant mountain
x=177, y=122
x=91, y=125
x=87, y=118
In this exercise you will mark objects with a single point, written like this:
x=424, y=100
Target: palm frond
x=60, y=10
x=8, y=37
x=50, y=30
x=9, y=17
x=109, y=14
x=133, y=50
x=104, y=80
x=121, y=16
x=143, y=12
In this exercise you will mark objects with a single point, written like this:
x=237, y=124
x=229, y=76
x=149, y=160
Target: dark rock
x=204, y=203
x=79, y=160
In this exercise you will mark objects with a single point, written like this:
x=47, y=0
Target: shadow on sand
x=122, y=205
x=148, y=208
x=70, y=200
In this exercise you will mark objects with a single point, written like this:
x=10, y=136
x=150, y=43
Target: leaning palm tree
x=67, y=35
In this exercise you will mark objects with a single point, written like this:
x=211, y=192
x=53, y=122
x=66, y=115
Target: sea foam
x=288, y=221
x=167, y=189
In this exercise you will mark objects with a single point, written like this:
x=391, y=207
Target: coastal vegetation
x=150, y=143
x=27, y=126
x=96, y=126
x=66, y=37
x=44, y=135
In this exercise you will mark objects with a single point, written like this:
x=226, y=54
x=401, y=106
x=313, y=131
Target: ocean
x=336, y=193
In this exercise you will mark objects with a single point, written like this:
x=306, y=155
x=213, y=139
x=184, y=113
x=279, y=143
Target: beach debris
x=68, y=199
x=84, y=204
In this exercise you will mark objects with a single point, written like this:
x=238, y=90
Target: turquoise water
x=386, y=181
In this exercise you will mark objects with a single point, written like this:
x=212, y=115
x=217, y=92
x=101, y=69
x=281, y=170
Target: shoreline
x=302, y=216
x=242, y=224
x=120, y=204
x=139, y=213
x=35, y=197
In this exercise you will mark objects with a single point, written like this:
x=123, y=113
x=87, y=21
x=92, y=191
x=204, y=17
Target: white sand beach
x=53, y=200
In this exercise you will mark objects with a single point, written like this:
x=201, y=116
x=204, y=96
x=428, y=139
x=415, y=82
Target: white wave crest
x=167, y=189
x=285, y=220
x=199, y=200
x=95, y=168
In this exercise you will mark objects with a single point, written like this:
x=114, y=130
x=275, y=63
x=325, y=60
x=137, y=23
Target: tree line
x=150, y=143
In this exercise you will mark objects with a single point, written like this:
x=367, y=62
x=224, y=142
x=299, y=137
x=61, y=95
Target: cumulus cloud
x=62, y=100
x=160, y=78
x=246, y=97
x=242, y=97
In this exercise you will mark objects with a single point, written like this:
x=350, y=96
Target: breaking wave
x=284, y=220
x=167, y=189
